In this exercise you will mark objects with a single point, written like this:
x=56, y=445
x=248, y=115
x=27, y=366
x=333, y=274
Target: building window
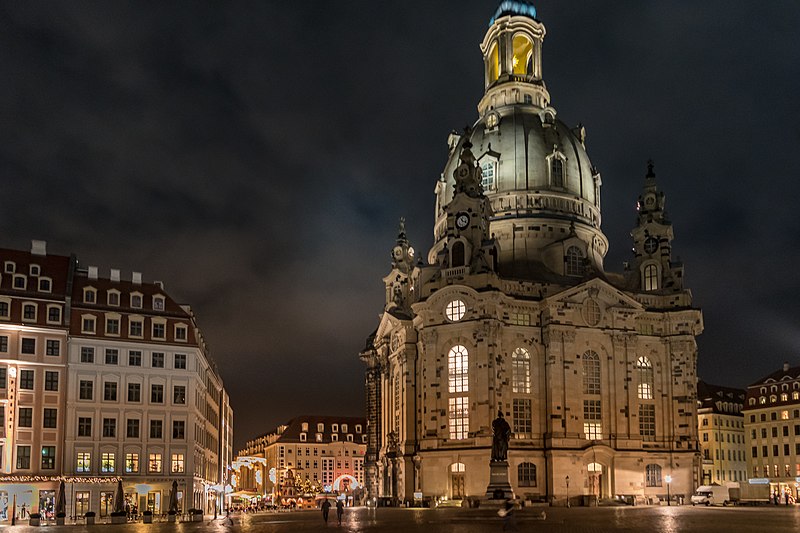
x=50, y=418
x=179, y=429
x=455, y=310
x=110, y=428
x=154, y=463
x=159, y=330
x=25, y=417
x=134, y=392
x=135, y=328
x=156, y=393
x=108, y=463
x=136, y=300
x=179, y=394
x=487, y=175
x=181, y=333
x=112, y=326
x=521, y=371
x=3, y=378
x=573, y=261
x=557, y=172
x=591, y=373
x=84, y=462
x=132, y=430
x=52, y=347
x=522, y=418
x=89, y=295
x=48, y=457
x=178, y=463
x=110, y=391
x=45, y=284
x=3, y=343
x=9, y=267
x=112, y=356
x=157, y=360
x=4, y=309
x=85, y=389
x=23, y=457
x=29, y=312
x=28, y=346
x=651, y=278
x=113, y=298
x=20, y=282
x=592, y=420
x=54, y=315
x=644, y=373
x=458, y=366
x=87, y=354
x=156, y=429
x=26, y=379
x=180, y=361
x=459, y=417
x=647, y=421
x=84, y=426
x=526, y=475
x=653, y=475
x=88, y=324
x=158, y=303
x=50, y=380
x=134, y=358
x=131, y=463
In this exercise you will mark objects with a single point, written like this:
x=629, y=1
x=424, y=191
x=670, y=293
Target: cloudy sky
x=257, y=157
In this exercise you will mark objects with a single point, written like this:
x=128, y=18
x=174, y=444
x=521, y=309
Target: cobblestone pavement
x=559, y=520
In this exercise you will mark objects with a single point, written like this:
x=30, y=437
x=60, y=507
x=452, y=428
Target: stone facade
x=720, y=422
x=514, y=312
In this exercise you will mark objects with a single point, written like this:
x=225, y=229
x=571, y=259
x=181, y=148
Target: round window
x=455, y=310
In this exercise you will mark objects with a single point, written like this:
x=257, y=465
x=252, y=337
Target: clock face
x=649, y=201
x=397, y=252
x=650, y=245
x=491, y=120
x=462, y=220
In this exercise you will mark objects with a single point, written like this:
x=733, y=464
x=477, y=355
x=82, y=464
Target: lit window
x=178, y=463
x=487, y=175
x=592, y=419
x=455, y=310
x=107, y=463
x=459, y=417
x=522, y=418
x=522, y=59
x=521, y=371
x=591, y=373
x=784, y=397
x=644, y=371
x=494, y=63
x=131, y=463
x=84, y=462
x=651, y=278
x=574, y=261
x=48, y=457
x=784, y=415
x=458, y=368
x=154, y=463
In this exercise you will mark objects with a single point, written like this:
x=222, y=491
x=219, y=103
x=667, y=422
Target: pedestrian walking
x=507, y=512
x=326, y=507
x=339, y=510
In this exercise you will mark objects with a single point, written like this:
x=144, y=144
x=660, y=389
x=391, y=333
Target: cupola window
x=487, y=175
x=651, y=278
x=455, y=310
x=457, y=254
x=522, y=60
x=557, y=172
x=574, y=261
x=494, y=64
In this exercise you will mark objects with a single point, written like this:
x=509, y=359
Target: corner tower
x=541, y=185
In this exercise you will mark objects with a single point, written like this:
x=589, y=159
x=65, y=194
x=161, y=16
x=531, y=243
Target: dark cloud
x=256, y=156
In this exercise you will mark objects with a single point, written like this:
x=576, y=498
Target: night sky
x=257, y=157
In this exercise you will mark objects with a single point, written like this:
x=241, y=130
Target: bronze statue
x=502, y=433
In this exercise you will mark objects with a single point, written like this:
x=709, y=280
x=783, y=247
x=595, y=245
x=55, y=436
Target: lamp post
x=668, y=479
x=567, y=480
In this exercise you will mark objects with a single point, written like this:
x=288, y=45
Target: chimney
x=160, y=284
x=114, y=274
x=92, y=272
x=136, y=278
x=786, y=366
x=38, y=247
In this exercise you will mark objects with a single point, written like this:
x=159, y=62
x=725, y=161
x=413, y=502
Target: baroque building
x=513, y=311
x=720, y=421
x=104, y=378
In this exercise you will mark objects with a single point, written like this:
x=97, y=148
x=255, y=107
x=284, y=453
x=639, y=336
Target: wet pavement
x=577, y=519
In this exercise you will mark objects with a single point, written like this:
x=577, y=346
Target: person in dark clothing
x=508, y=518
x=339, y=510
x=326, y=507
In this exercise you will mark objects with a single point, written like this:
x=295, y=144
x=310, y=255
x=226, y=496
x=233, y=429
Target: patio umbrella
x=173, y=497
x=61, y=500
x=119, y=498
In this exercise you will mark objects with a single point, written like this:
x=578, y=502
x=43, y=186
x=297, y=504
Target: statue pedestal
x=499, y=489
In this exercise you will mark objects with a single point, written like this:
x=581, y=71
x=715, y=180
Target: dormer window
x=88, y=324
x=136, y=300
x=335, y=428
x=9, y=267
x=89, y=295
x=488, y=174
x=29, y=312
x=344, y=428
x=20, y=281
x=349, y=437
x=158, y=303
x=335, y=437
x=34, y=270
x=358, y=428
x=181, y=333
x=53, y=314
x=45, y=285
x=112, y=297
x=319, y=437
x=302, y=437
x=556, y=168
x=304, y=426
x=320, y=427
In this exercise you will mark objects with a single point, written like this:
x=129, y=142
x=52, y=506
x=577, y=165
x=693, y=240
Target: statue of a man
x=502, y=433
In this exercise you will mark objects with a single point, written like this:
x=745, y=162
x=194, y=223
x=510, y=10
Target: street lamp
x=567, y=480
x=668, y=479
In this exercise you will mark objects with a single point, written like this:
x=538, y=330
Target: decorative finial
x=401, y=233
x=650, y=165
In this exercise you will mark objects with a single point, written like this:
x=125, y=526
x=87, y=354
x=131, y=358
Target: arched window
x=653, y=475
x=487, y=175
x=557, y=172
x=522, y=60
x=651, y=278
x=521, y=371
x=457, y=254
x=458, y=467
x=644, y=371
x=526, y=475
x=494, y=64
x=574, y=261
x=457, y=365
x=591, y=373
